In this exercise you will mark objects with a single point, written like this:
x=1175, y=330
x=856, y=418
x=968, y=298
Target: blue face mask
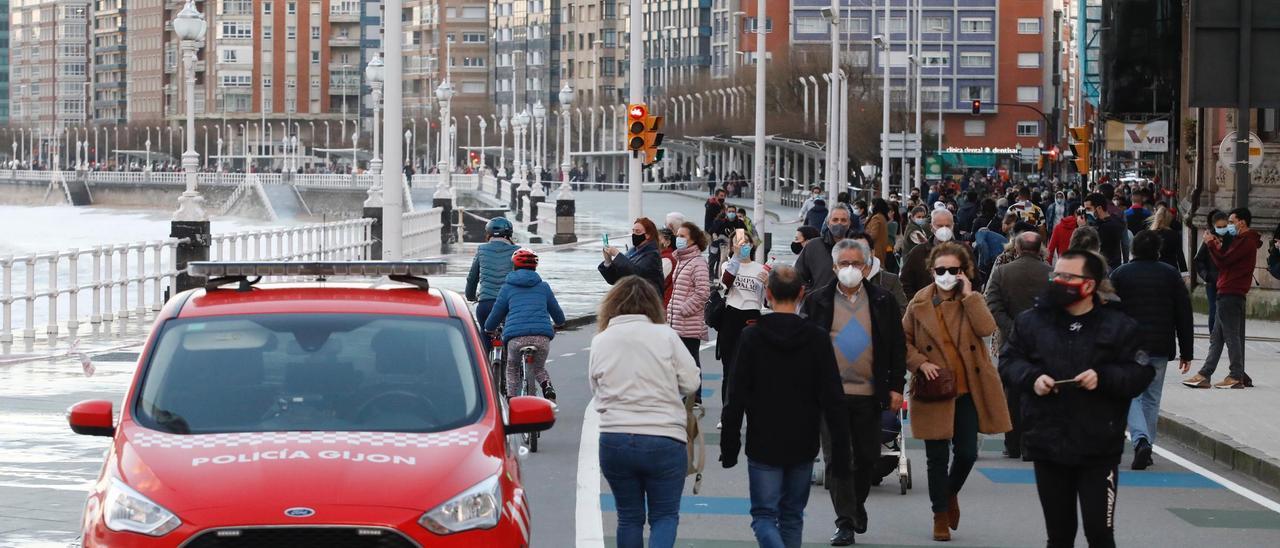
x=745, y=251
x=681, y=242
x=1223, y=231
x=731, y=215
x=920, y=222
x=1232, y=230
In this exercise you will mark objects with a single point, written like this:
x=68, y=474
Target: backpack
x=1273, y=261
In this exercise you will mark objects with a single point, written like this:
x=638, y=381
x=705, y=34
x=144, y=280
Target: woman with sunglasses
x=944, y=326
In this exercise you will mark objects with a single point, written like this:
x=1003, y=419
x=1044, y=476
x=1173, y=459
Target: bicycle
x=498, y=361
x=529, y=388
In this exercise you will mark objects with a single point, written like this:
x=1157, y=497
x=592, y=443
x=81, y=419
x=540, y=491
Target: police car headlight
x=479, y=507
x=127, y=510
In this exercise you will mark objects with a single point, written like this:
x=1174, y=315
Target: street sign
x=1029, y=154
x=899, y=145
x=1227, y=151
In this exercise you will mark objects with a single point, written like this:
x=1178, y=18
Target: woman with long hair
x=639, y=371
x=877, y=226
x=1161, y=222
x=944, y=327
x=744, y=301
x=643, y=260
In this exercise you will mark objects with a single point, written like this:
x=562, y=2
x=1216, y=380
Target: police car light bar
x=319, y=269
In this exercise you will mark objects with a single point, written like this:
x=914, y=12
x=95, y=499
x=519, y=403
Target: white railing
x=489, y=185
x=349, y=240
x=546, y=219
x=421, y=180
x=422, y=233
x=60, y=284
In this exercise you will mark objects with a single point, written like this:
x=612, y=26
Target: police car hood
x=274, y=471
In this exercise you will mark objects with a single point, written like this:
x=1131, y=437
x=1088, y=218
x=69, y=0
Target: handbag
x=714, y=311
x=941, y=388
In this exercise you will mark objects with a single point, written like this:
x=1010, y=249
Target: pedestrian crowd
x=1047, y=312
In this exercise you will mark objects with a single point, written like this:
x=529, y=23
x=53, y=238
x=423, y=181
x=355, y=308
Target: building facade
x=593, y=51
x=526, y=52
x=677, y=44
x=49, y=72
x=108, y=102
x=455, y=30
x=4, y=61
x=144, y=73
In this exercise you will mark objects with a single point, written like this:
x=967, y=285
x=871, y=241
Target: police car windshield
x=307, y=372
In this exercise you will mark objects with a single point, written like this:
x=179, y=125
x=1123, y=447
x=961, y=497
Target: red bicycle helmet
x=525, y=258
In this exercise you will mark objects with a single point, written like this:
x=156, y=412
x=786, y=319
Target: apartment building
x=49, y=67
x=109, y=95
x=526, y=51
x=456, y=30
x=145, y=24
x=677, y=44
x=593, y=51
x=4, y=61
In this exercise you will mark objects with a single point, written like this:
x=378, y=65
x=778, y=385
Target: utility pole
x=393, y=126
x=758, y=211
x=635, y=206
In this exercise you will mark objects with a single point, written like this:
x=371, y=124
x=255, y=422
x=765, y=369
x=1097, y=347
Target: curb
x=1221, y=448
x=580, y=321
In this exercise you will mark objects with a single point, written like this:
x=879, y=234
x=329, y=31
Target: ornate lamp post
x=483, y=160
x=373, y=73
x=566, y=99
x=502, y=144
x=444, y=93
x=539, y=140
x=519, y=123
x=190, y=27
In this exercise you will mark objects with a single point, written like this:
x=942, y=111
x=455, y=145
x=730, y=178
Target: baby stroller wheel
x=908, y=473
x=903, y=482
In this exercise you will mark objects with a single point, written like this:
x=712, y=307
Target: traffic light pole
x=635, y=205
x=758, y=210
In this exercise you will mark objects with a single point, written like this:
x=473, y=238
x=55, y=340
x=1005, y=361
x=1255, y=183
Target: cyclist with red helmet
x=530, y=312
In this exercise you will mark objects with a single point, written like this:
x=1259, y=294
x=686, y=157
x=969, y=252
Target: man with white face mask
x=866, y=333
x=915, y=270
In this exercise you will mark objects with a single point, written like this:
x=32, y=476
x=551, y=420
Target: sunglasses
x=953, y=270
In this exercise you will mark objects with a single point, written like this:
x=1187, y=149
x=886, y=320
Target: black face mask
x=1063, y=295
x=637, y=239
x=796, y=247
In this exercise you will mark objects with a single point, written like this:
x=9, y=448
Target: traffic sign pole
x=635, y=204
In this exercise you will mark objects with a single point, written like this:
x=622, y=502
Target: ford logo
x=299, y=512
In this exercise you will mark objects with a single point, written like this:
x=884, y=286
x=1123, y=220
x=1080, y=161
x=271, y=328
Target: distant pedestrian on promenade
x=643, y=260
x=1077, y=365
x=1235, y=277
x=1152, y=293
x=1111, y=229
x=1012, y=290
x=866, y=333
x=713, y=208
x=786, y=383
x=816, y=215
x=944, y=327
x=639, y=371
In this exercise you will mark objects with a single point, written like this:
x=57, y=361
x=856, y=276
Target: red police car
x=326, y=413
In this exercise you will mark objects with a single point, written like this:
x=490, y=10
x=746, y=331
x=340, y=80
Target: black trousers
x=849, y=494
x=1061, y=486
x=731, y=326
x=1013, y=438
x=694, y=345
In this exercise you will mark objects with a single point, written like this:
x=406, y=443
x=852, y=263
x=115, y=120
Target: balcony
x=344, y=12
x=344, y=42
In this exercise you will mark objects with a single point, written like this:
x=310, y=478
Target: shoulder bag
x=942, y=387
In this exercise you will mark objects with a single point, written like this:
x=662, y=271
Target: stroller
x=893, y=455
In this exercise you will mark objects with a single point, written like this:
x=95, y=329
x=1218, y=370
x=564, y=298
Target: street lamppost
x=190, y=222
x=484, y=160
x=540, y=142
x=502, y=143
x=408, y=149
x=882, y=42
x=444, y=93
x=373, y=73
x=566, y=99
x=519, y=123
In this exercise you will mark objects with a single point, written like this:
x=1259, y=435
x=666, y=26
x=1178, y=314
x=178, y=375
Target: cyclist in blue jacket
x=490, y=267
x=529, y=309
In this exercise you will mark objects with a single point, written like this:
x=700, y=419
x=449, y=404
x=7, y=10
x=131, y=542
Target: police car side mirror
x=529, y=414
x=91, y=418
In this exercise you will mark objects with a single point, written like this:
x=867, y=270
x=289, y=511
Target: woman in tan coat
x=878, y=228
x=944, y=326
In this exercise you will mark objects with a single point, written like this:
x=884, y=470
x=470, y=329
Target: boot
x=940, y=532
x=953, y=513
x=548, y=391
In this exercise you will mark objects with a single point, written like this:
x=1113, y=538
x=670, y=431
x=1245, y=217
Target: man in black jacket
x=1111, y=229
x=1078, y=366
x=870, y=351
x=785, y=381
x=1152, y=293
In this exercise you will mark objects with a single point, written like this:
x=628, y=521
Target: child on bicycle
x=530, y=312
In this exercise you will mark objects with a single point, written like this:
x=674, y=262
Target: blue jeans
x=644, y=469
x=778, y=497
x=1144, y=412
x=483, y=308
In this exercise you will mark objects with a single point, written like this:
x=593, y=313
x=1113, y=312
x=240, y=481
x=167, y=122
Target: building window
x=937, y=24
x=235, y=29
x=291, y=32
x=228, y=56
x=1029, y=60
x=859, y=58
x=473, y=87
x=897, y=25
x=607, y=66
x=473, y=38
x=235, y=81
x=266, y=8
x=315, y=81
x=979, y=93
x=474, y=62
x=936, y=58
x=751, y=24
x=975, y=59
x=315, y=57
x=1029, y=25
x=315, y=32
x=291, y=8
x=1028, y=129
x=266, y=81
x=975, y=25
x=610, y=37
x=811, y=25
x=855, y=25
x=975, y=128
x=266, y=32
x=1028, y=94
x=934, y=95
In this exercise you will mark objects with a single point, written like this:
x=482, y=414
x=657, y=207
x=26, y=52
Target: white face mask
x=946, y=282
x=943, y=234
x=850, y=277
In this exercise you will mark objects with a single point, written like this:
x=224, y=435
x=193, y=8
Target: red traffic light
x=637, y=111
x=977, y=106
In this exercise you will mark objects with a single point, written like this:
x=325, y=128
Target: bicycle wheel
x=530, y=389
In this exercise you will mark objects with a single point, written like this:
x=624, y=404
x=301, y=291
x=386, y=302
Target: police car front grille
x=300, y=537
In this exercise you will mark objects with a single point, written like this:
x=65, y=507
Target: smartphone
x=739, y=235
x=1066, y=382
x=605, y=240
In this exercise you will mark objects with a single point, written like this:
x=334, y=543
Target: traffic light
x=637, y=114
x=1080, y=148
x=977, y=107
x=652, y=138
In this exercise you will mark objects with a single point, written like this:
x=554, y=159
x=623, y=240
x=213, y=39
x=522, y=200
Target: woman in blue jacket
x=528, y=307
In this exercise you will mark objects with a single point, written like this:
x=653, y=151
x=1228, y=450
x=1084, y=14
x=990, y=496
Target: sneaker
x=1247, y=381
x=1198, y=381
x=548, y=391
x=1229, y=382
x=719, y=425
x=1142, y=455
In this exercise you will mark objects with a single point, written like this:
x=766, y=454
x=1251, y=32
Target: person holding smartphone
x=1074, y=432
x=944, y=327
